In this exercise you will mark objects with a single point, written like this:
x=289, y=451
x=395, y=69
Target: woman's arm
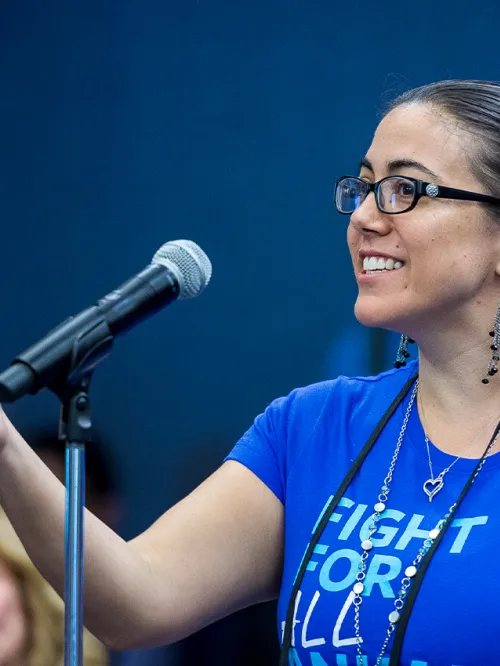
x=216, y=551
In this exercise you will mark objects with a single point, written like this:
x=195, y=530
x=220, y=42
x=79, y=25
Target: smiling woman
x=368, y=505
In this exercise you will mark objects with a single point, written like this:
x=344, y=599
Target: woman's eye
x=406, y=190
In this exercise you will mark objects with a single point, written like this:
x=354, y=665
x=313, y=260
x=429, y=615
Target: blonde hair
x=44, y=607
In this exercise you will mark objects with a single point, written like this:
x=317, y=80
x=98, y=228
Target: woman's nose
x=368, y=219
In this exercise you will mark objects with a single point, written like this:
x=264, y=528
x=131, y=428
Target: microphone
x=179, y=270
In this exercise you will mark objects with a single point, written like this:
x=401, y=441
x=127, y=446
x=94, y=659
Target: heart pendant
x=432, y=487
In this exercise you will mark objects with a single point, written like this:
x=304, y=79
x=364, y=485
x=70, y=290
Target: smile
x=376, y=264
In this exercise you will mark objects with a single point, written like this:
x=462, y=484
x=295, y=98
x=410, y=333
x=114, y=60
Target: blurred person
x=31, y=613
x=366, y=504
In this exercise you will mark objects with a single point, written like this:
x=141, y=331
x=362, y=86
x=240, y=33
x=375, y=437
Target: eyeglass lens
x=395, y=194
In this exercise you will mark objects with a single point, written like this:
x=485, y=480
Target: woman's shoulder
x=344, y=390
x=343, y=399
x=314, y=413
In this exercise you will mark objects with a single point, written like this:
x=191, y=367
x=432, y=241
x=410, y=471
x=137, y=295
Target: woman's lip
x=363, y=276
x=369, y=254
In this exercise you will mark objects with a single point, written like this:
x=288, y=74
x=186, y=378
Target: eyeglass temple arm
x=452, y=193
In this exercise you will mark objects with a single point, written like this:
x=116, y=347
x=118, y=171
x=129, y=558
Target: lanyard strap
x=287, y=634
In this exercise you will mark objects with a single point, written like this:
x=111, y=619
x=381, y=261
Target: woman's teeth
x=372, y=264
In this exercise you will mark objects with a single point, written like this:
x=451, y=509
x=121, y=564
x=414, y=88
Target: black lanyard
x=417, y=581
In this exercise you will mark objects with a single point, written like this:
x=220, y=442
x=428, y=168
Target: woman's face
x=13, y=624
x=450, y=250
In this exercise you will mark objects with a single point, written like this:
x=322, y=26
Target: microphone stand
x=75, y=426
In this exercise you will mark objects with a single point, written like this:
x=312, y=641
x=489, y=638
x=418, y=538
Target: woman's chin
x=375, y=317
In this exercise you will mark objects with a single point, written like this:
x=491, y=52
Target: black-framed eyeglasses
x=396, y=194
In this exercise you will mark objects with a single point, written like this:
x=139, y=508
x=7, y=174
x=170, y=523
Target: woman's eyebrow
x=366, y=164
x=396, y=165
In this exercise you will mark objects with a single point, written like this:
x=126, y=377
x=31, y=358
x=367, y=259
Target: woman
x=31, y=613
x=427, y=261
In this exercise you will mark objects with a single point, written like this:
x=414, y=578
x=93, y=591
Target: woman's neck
x=452, y=377
x=458, y=407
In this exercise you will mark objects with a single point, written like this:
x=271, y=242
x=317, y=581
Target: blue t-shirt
x=301, y=448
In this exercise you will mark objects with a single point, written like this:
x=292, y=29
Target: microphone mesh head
x=189, y=263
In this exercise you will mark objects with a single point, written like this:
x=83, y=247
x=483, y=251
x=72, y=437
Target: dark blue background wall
x=127, y=124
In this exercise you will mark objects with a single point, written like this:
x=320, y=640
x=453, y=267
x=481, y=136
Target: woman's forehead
x=418, y=133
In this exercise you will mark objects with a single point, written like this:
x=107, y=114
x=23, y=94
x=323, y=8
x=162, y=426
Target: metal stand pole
x=75, y=426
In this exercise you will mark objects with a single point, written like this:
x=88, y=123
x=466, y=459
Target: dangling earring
x=403, y=354
x=495, y=347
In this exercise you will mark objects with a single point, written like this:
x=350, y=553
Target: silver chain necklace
x=367, y=546
x=434, y=484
